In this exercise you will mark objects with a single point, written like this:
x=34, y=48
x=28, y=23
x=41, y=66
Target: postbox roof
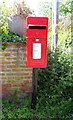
x=37, y=21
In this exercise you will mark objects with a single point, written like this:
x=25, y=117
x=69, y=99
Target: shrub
x=11, y=37
x=54, y=98
x=55, y=85
x=21, y=9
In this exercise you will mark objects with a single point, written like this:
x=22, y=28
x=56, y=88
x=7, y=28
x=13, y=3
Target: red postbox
x=36, y=42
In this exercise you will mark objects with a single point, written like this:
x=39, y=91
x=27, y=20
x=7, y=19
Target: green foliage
x=19, y=9
x=3, y=47
x=54, y=98
x=5, y=34
x=55, y=82
x=3, y=18
x=16, y=108
x=55, y=86
x=64, y=40
x=11, y=37
x=65, y=7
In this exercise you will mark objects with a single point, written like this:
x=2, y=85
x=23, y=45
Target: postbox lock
x=37, y=40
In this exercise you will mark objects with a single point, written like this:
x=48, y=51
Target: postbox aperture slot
x=37, y=27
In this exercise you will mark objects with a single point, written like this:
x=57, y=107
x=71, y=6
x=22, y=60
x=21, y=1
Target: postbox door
x=36, y=53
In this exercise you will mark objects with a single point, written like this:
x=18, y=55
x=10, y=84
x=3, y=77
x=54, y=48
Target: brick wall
x=13, y=72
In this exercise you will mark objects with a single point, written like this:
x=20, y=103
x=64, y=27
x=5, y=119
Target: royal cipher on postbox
x=36, y=42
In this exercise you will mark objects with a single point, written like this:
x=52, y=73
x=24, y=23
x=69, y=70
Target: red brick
x=16, y=76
